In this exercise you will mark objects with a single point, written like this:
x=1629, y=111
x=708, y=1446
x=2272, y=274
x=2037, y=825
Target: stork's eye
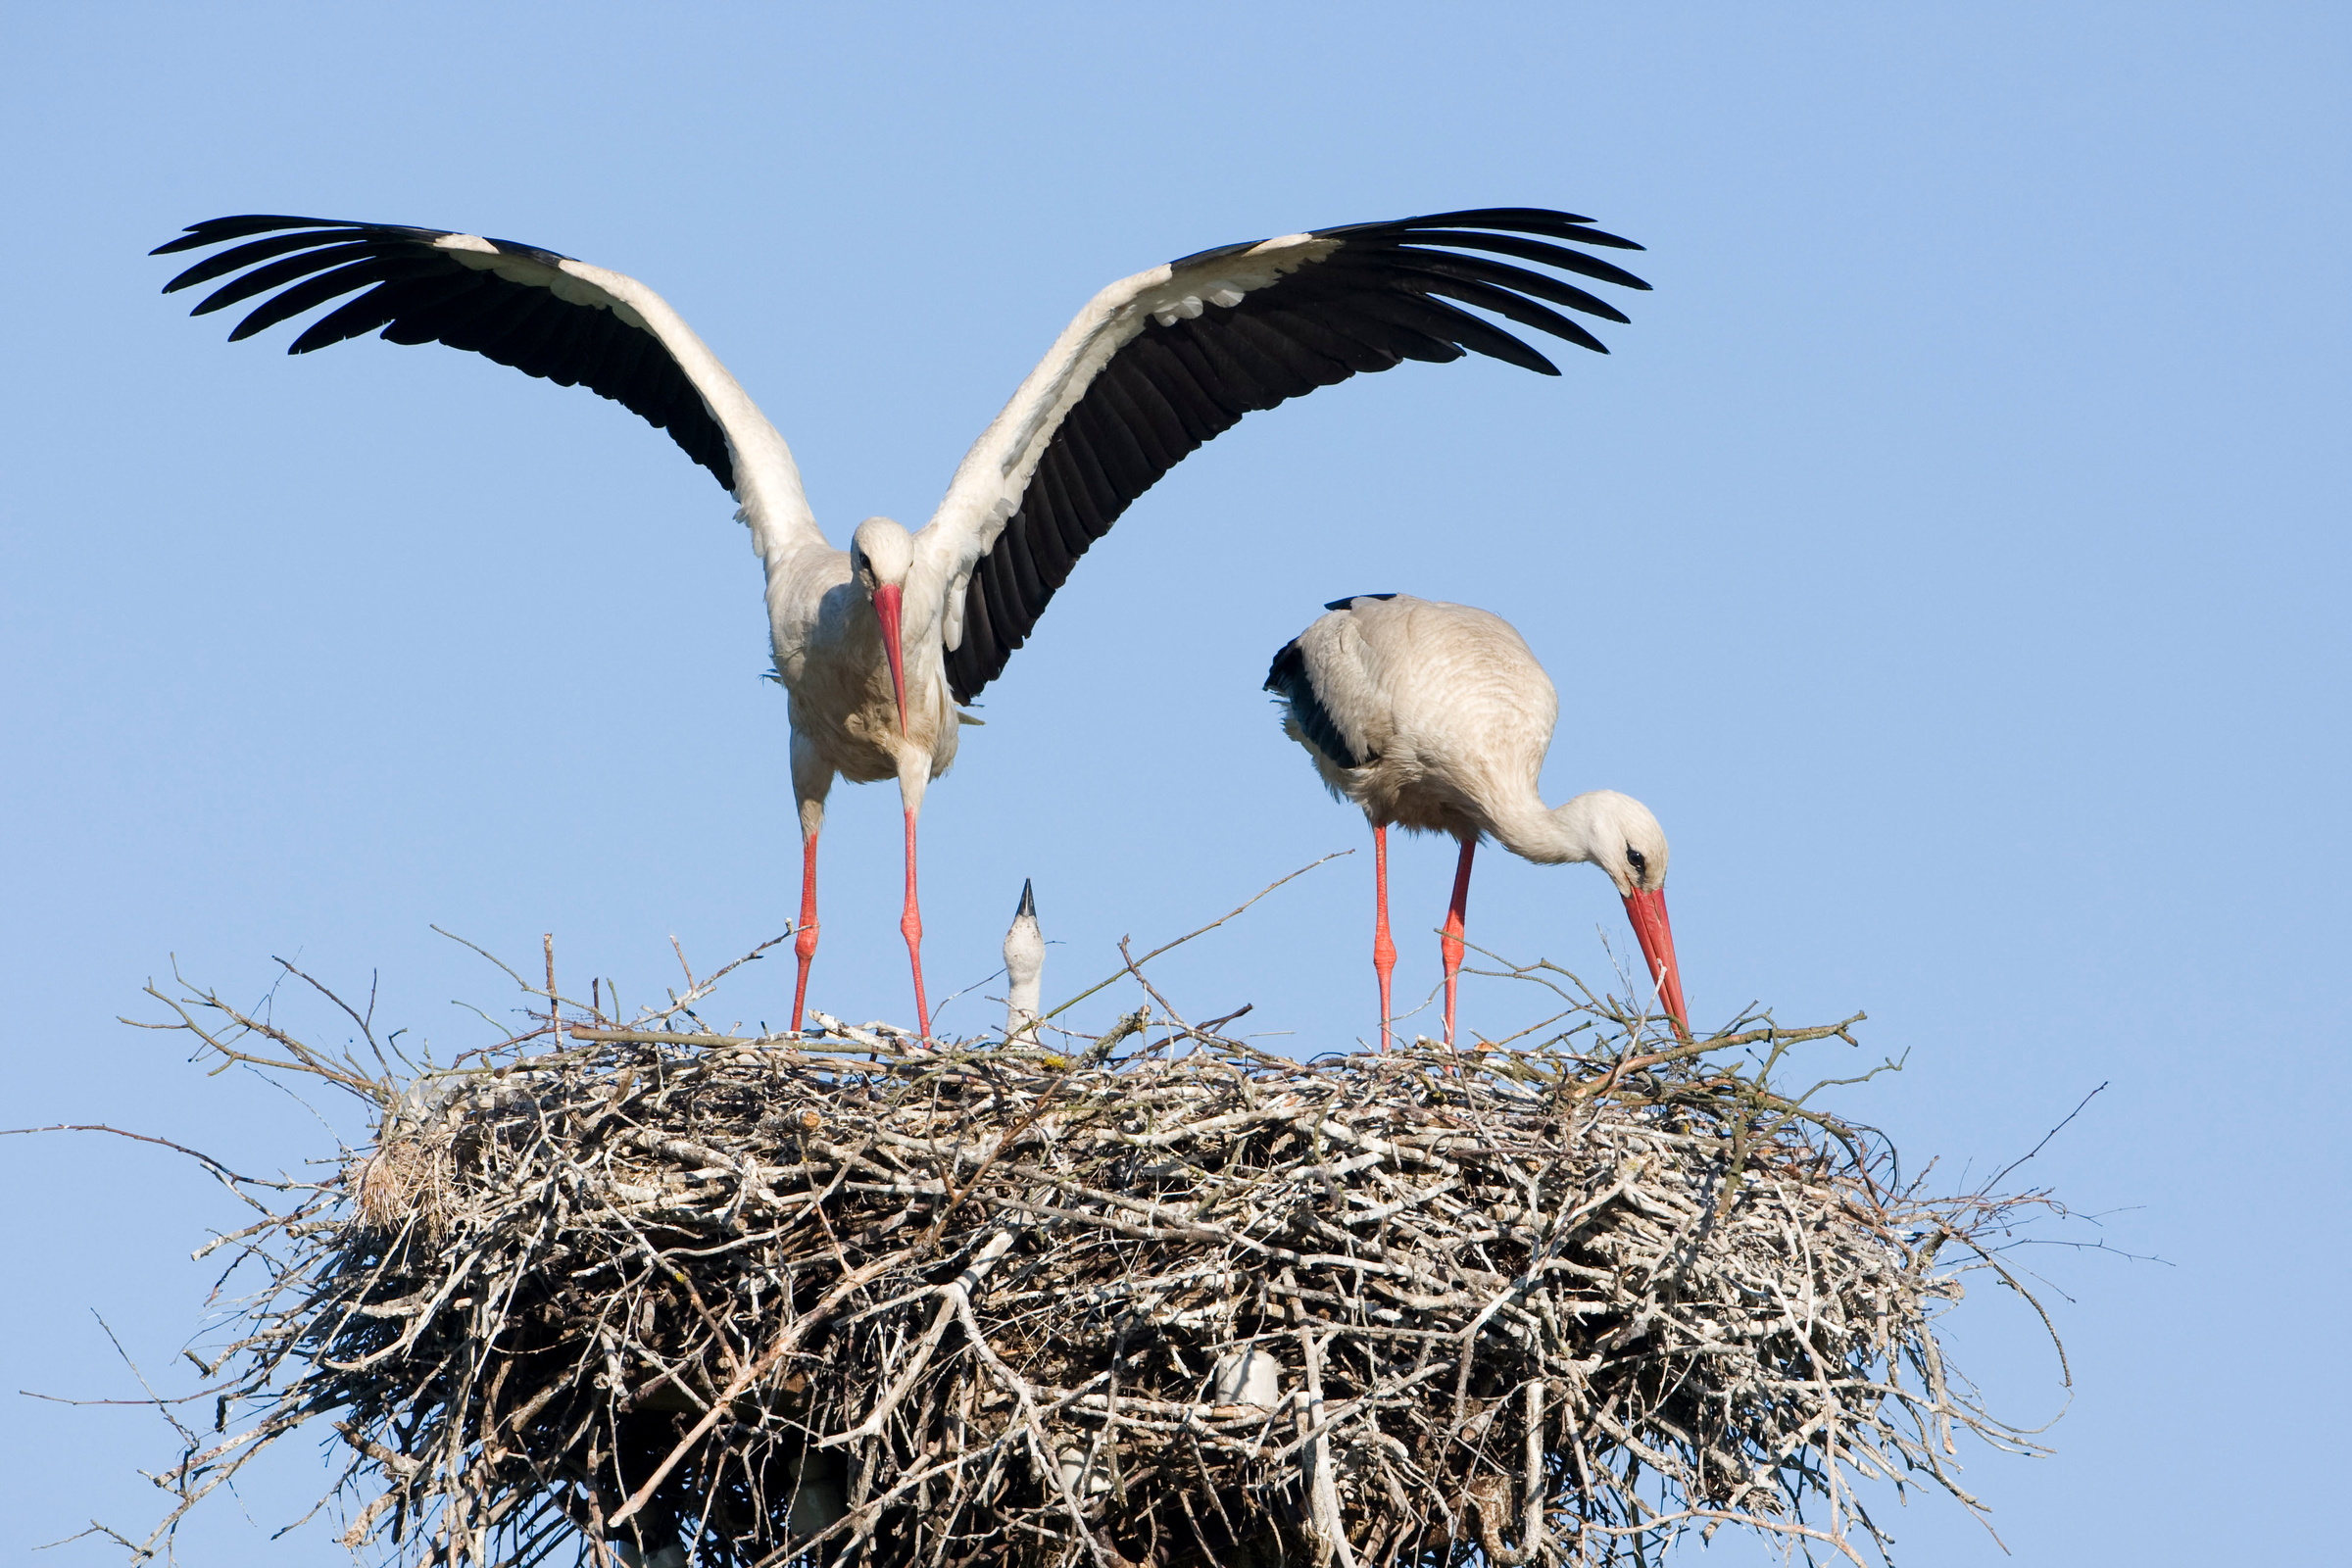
x=1637, y=861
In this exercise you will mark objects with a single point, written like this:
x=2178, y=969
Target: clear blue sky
x=1952, y=553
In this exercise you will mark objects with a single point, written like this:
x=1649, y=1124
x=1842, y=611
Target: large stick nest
x=651, y=1295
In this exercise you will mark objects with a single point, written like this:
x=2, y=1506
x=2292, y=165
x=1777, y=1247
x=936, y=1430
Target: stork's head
x=1622, y=838
x=881, y=559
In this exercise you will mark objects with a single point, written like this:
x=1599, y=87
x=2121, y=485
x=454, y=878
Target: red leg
x=805, y=943
x=1384, y=950
x=1452, y=946
x=911, y=923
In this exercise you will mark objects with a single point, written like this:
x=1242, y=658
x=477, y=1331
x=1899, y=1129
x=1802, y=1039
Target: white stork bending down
x=878, y=646
x=1436, y=718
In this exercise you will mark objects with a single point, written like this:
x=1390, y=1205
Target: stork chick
x=1025, y=973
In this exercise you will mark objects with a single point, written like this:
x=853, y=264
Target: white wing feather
x=767, y=483
x=988, y=482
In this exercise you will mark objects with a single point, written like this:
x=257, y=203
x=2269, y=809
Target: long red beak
x=1647, y=911
x=886, y=605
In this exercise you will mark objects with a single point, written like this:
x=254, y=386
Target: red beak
x=886, y=605
x=1647, y=911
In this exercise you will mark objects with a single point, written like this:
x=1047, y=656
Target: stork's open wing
x=1164, y=360
x=543, y=314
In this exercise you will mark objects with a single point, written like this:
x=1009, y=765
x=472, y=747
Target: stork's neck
x=1556, y=835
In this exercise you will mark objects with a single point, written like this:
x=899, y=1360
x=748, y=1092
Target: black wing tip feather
x=1349, y=600
x=1528, y=219
x=1545, y=220
x=1453, y=251
x=213, y=230
x=397, y=282
x=318, y=230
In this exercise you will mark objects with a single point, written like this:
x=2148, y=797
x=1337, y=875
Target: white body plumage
x=1436, y=718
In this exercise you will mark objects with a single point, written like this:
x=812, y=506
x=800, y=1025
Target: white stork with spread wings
x=877, y=646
